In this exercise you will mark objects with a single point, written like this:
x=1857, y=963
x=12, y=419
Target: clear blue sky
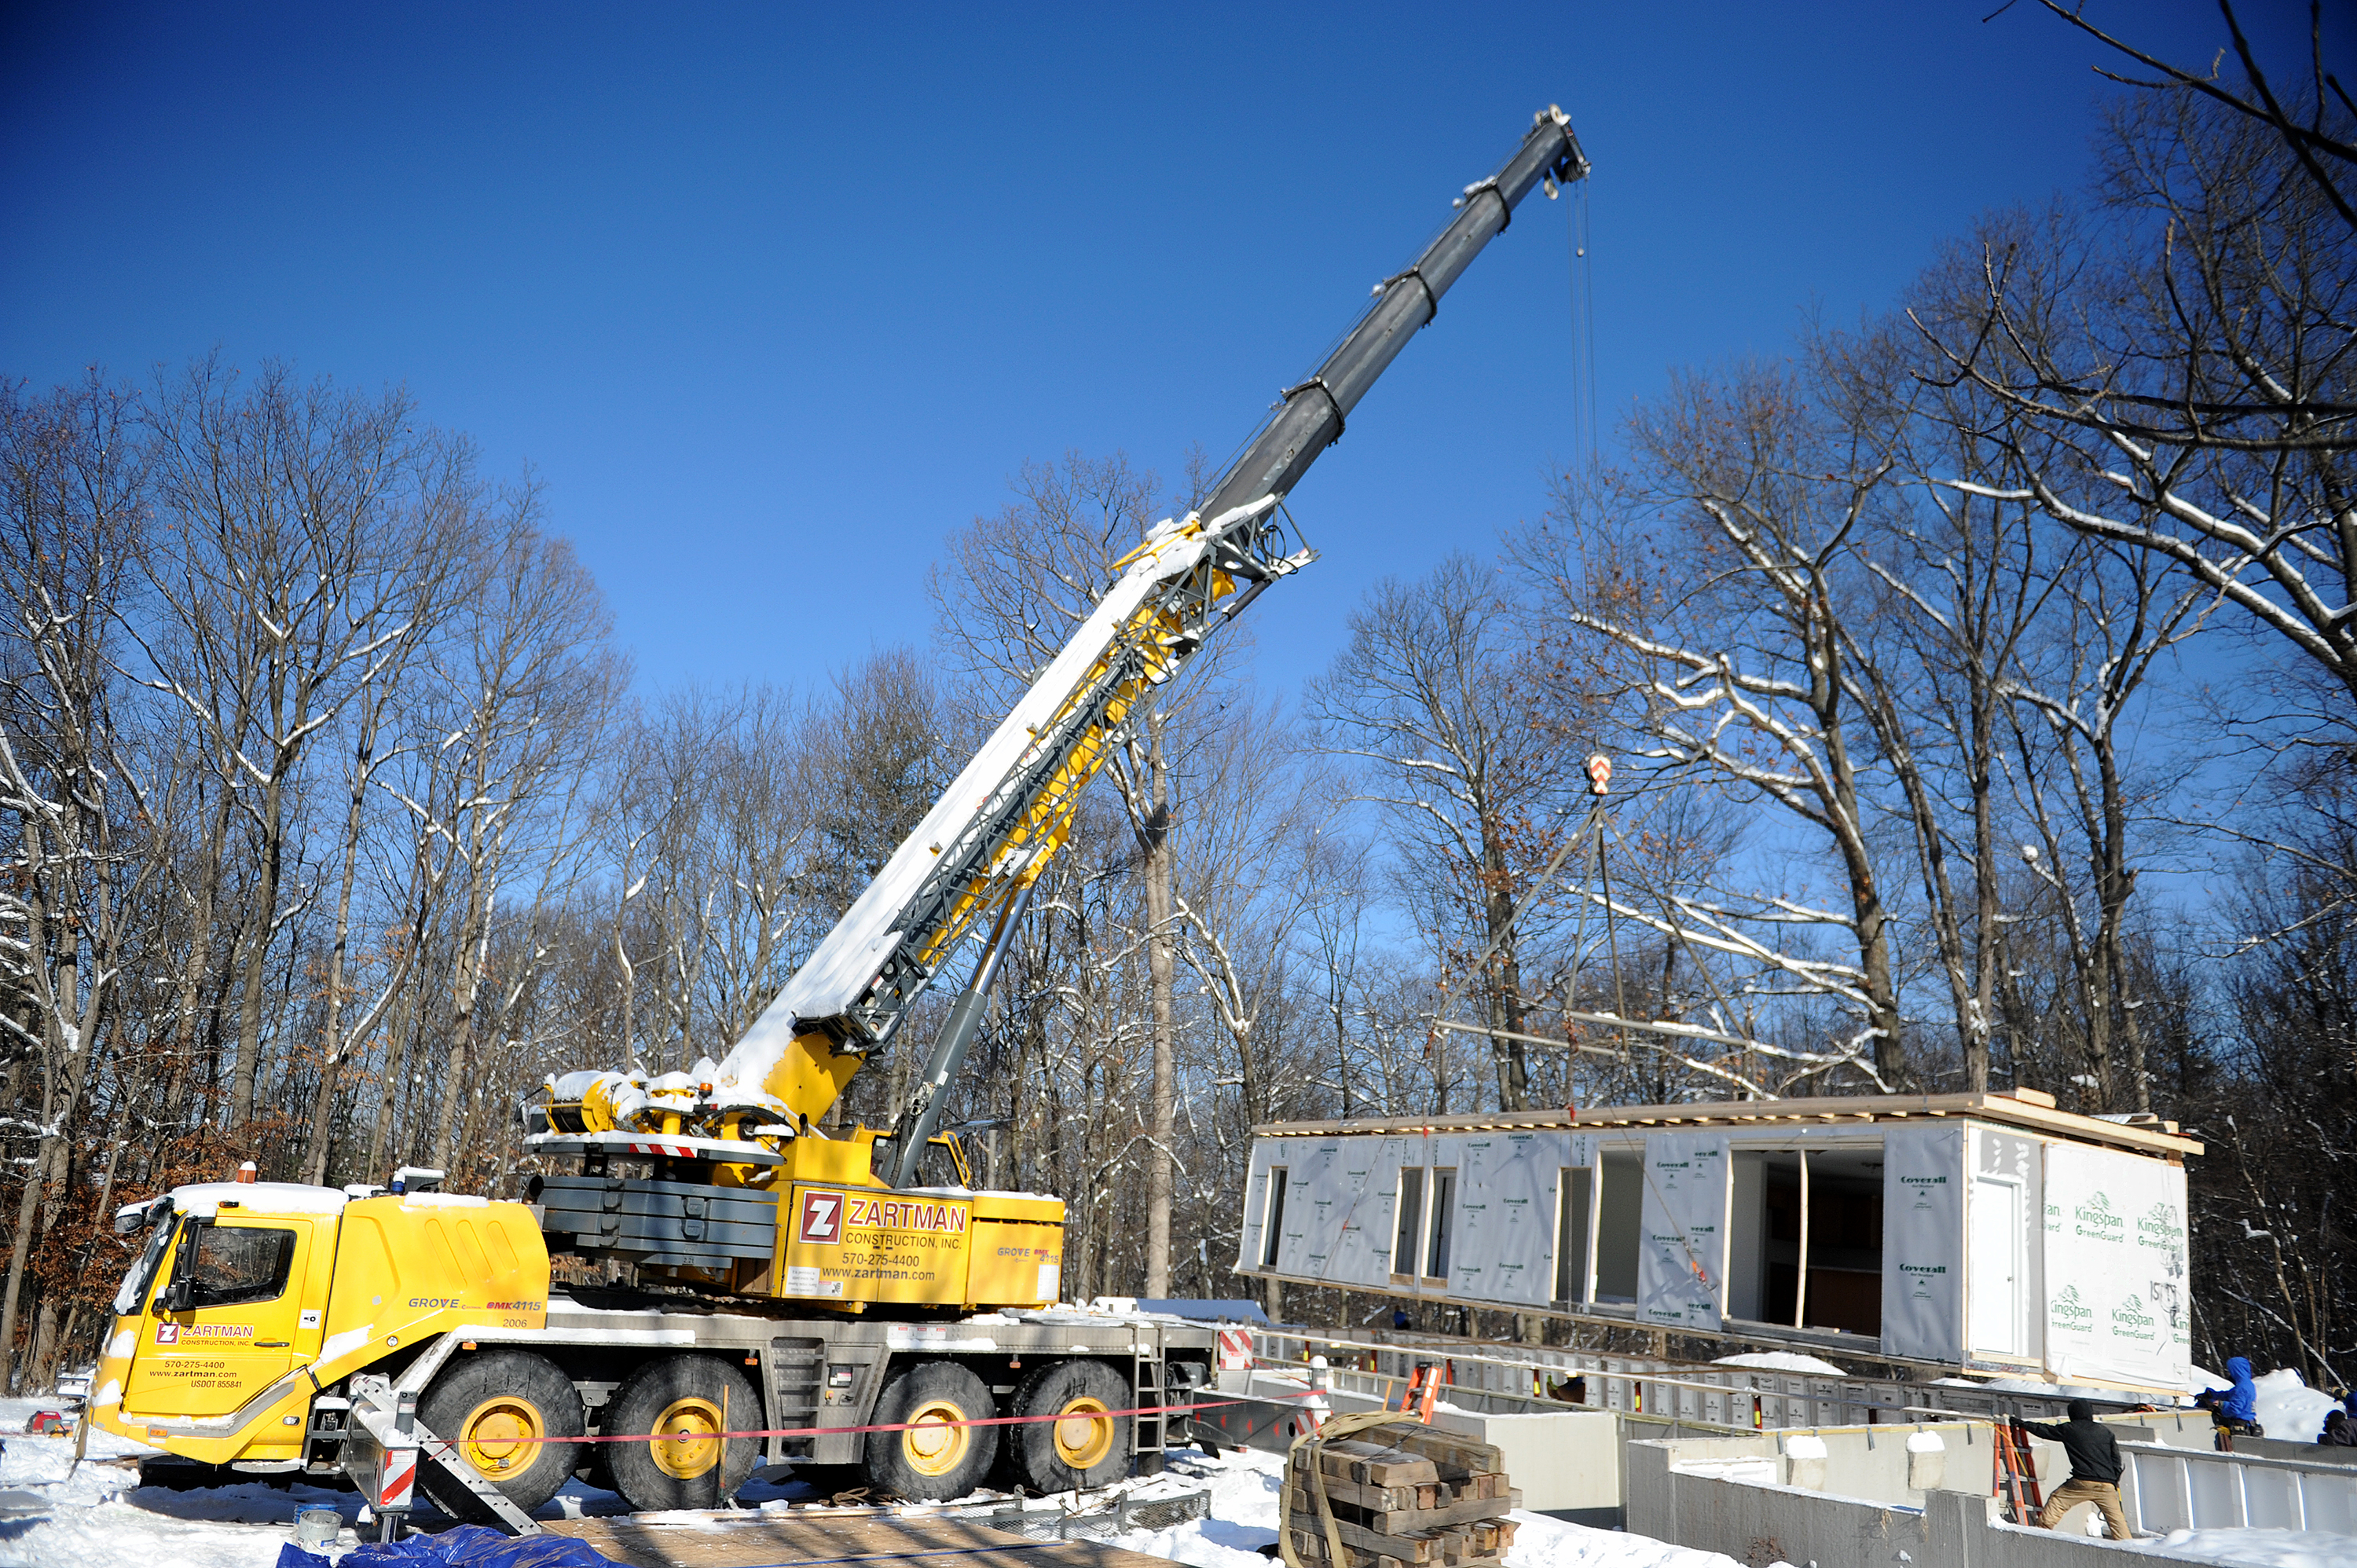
x=773, y=297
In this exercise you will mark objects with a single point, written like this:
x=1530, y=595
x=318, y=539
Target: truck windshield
x=143, y=1273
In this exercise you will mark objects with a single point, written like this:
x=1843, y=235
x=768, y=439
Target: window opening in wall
x=1444, y=1204
x=1272, y=1232
x=1619, y=1223
x=1821, y=1263
x=1409, y=1217
x=1574, y=1196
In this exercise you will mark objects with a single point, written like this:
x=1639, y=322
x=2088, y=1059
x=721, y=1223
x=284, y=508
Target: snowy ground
x=1244, y=1519
x=104, y=1519
x=2258, y=1548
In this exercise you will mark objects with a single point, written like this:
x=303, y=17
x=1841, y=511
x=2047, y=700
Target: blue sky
x=774, y=297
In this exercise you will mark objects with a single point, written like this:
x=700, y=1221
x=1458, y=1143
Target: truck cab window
x=141, y=1275
x=233, y=1266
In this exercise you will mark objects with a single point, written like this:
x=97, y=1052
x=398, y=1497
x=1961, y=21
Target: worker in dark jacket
x=2339, y=1432
x=2094, y=1469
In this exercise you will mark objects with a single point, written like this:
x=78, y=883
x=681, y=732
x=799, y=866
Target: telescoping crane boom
x=970, y=862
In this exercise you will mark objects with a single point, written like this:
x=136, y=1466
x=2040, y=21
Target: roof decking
x=2158, y=1137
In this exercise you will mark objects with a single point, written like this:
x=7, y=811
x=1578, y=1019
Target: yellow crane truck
x=783, y=1278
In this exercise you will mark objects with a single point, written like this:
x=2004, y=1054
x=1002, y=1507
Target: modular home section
x=1988, y=1233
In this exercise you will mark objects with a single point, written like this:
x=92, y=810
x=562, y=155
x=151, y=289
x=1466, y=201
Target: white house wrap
x=1989, y=1233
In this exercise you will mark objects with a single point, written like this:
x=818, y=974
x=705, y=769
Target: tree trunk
x=331, y=1047
x=1506, y=1011
x=28, y=1207
x=466, y=988
x=257, y=955
x=1159, y=969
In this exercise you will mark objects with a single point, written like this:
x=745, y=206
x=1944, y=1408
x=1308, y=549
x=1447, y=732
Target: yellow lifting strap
x=1304, y=1456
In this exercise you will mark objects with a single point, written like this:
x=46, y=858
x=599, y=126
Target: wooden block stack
x=1404, y=1496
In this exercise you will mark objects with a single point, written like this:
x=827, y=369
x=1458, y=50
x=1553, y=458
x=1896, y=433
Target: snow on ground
x=2287, y=1408
x=1782, y=1361
x=104, y=1519
x=2258, y=1548
x=1243, y=1518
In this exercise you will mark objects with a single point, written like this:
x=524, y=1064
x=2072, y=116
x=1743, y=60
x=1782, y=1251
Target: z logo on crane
x=822, y=1218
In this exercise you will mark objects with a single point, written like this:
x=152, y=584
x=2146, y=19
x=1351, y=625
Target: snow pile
x=1245, y=1503
x=2205, y=1380
x=1782, y=1361
x=2287, y=1408
x=104, y=1518
x=2256, y=1548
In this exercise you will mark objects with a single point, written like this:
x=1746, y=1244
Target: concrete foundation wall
x=1755, y=1523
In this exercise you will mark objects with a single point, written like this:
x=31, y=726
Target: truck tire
x=1087, y=1447
x=493, y=1405
x=936, y=1460
x=676, y=1406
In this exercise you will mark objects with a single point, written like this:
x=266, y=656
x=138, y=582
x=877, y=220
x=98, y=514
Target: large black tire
x=937, y=1460
x=684, y=1399
x=1084, y=1449
x=488, y=1403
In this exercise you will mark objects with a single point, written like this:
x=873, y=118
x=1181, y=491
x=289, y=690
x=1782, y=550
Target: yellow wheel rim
x=933, y=1446
x=687, y=1441
x=1083, y=1433
x=500, y=1436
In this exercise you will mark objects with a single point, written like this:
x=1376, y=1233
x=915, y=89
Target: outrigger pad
x=462, y=1546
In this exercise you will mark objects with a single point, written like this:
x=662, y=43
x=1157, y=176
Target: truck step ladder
x=440, y=1451
x=1146, y=1431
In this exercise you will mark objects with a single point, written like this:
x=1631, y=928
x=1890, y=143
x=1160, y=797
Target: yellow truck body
x=286, y=1288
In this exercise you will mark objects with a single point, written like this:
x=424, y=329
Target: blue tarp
x=462, y=1546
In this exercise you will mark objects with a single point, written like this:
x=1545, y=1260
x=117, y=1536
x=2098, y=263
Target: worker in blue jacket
x=2238, y=1408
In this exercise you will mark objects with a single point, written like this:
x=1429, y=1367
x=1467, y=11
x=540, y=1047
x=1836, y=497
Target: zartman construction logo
x=822, y=1218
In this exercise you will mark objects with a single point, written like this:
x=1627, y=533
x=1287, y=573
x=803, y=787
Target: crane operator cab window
x=224, y=1325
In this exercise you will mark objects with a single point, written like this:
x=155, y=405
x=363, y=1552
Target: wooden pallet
x=1402, y=1495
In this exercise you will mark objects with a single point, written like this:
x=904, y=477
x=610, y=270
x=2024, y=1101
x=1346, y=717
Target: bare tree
x=2191, y=396
x=1730, y=631
x=1431, y=701
x=535, y=684
x=2326, y=158
x=284, y=573
x=71, y=516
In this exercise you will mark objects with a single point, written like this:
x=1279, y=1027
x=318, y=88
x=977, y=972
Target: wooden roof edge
x=1860, y=1109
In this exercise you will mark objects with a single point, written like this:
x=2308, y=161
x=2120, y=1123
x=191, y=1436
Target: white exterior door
x=1993, y=1263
